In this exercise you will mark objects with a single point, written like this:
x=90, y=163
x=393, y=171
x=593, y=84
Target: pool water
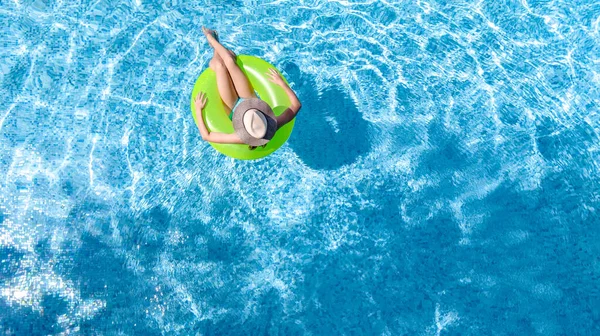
x=442, y=177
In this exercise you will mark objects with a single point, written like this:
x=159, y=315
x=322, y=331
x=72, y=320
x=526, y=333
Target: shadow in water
x=101, y=274
x=17, y=320
x=11, y=260
x=351, y=294
x=529, y=263
x=330, y=131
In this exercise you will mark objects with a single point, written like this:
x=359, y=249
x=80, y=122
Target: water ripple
x=442, y=172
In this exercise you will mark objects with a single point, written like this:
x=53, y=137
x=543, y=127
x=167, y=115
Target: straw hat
x=254, y=122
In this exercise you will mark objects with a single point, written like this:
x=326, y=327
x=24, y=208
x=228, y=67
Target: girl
x=253, y=119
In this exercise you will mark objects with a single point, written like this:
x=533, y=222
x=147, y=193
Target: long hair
x=255, y=147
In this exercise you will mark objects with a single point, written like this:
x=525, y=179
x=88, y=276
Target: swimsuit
x=239, y=101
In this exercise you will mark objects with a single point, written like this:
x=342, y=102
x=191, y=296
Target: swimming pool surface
x=442, y=177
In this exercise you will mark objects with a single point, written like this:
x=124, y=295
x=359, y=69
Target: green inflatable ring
x=216, y=117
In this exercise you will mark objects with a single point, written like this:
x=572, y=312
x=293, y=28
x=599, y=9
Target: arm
x=216, y=137
x=290, y=113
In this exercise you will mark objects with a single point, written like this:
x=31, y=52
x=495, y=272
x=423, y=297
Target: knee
x=229, y=60
x=215, y=64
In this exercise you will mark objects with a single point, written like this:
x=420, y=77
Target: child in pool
x=253, y=119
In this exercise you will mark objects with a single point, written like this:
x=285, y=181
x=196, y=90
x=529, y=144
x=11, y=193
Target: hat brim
x=238, y=121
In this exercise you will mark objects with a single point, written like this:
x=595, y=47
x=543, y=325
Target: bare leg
x=240, y=81
x=224, y=83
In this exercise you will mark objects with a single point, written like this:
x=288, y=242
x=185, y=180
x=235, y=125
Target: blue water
x=442, y=177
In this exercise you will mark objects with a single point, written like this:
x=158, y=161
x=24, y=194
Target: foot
x=209, y=32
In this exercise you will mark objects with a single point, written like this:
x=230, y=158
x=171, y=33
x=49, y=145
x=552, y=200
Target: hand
x=200, y=101
x=276, y=78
